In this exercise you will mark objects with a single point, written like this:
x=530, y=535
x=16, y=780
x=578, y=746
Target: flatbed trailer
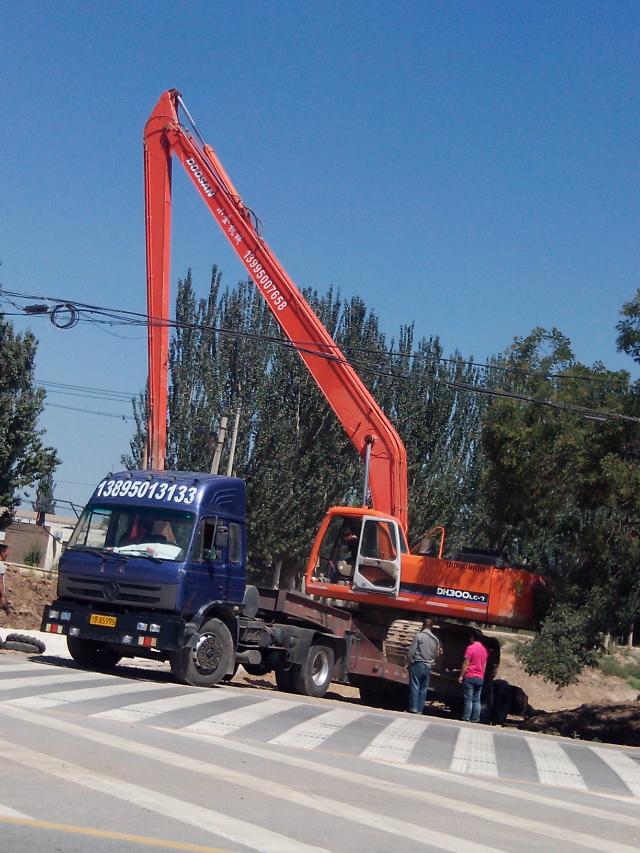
x=310, y=643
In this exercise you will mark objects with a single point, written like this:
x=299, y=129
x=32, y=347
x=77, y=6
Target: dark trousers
x=418, y=686
x=472, y=688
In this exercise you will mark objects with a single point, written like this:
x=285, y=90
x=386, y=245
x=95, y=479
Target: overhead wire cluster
x=65, y=314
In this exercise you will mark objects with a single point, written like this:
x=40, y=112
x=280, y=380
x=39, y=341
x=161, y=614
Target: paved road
x=237, y=768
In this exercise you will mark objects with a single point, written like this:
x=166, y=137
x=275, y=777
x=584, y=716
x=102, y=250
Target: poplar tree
x=24, y=458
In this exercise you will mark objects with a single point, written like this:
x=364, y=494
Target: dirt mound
x=593, y=686
x=606, y=723
x=27, y=596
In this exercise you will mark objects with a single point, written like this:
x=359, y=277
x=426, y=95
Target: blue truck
x=156, y=568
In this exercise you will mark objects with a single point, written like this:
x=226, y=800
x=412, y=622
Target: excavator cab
x=360, y=552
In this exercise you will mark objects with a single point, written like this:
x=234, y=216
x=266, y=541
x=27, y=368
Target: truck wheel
x=206, y=661
x=284, y=680
x=257, y=668
x=231, y=675
x=313, y=677
x=92, y=655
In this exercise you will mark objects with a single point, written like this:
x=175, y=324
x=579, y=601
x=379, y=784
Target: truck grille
x=149, y=595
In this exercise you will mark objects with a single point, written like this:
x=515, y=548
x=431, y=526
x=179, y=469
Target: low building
x=34, y=545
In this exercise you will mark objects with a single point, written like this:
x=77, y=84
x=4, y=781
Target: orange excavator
x=360, y=558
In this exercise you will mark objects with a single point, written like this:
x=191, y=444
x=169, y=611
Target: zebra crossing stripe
x=24, y=667
x=311, y=734
x=7, y=811
x=51, y=700
x=395, y=742
x=45, y=680
x=554, y=765
x=207, y=819
x=155, y=707
x=230, y=721
x=474, y=753
x=219, y=774
x=626, y=768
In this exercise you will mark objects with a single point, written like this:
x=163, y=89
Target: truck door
x=209, y=577
x=378, y=560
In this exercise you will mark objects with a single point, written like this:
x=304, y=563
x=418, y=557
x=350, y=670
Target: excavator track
x=454, y=639
x=400, y=634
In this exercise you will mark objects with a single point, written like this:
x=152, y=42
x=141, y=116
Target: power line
x=90, y=412
x=48, y=383
x=122, y=316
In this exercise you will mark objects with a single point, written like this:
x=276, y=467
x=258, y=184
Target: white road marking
x=627, y=769
x=51, y=700
x=221, y=775
x=554, y=765
x=395, y=742
x=7, y=811
x=474, y=753
x=507, y=790
x=312, y=733
x=153, y=708
x=45, y=680
x=237, y=831
x=28, y=667
x=231, y=721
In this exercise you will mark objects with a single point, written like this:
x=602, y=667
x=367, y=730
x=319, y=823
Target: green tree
x=628, y=339
x=559, y=485
x=439, y=422
x=23, y=456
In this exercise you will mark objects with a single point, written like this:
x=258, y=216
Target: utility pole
x=234, y=438
x=222, y=431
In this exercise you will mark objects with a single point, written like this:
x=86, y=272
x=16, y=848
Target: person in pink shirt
x=472, y=676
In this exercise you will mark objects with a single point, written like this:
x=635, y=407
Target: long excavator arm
x=363, y=420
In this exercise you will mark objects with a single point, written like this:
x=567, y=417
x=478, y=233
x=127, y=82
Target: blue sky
x=469, y=166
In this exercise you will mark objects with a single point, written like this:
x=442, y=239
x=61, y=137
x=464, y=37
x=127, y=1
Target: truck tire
x=25, y=643
x=257, y=669
x=313, y=677
x=208, y=659
x=284, y=680
x=231, y=675
x=92, y=655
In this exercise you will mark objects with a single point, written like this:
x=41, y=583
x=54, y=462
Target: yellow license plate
x=105, y=621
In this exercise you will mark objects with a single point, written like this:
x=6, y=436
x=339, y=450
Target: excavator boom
x=363, y=420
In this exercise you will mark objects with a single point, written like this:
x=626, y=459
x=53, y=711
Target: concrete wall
x=23, y=538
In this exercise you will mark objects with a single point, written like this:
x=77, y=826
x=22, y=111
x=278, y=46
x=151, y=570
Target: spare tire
x=24, y=643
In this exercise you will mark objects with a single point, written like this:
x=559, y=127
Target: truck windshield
x=161, y=533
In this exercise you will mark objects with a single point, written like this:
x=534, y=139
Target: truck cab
x=154, y=556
